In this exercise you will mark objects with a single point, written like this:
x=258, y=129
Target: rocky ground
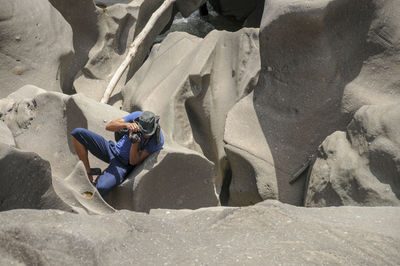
x=285, y=108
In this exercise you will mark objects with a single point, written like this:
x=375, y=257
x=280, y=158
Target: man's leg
x=82, y=153
x=112, y=176
x=85, y=140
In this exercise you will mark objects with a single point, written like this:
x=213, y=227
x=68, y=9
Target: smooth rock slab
x=174, y=178
x=360, y=166
x=35, y=45
x=270, y=232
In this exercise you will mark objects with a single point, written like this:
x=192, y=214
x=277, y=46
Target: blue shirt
x=123, y=146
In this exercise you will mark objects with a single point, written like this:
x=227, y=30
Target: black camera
x=135, y=135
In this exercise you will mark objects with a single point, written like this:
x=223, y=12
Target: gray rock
x=316, y=72
x=193, y=83
x=25, y=181
x=27, y=91
x=78, y=193
x=174, y=178
x=362, y=166
x=43, y=125
x=35, y=45
x=275, y=233
x=6, y=136
x=101, y=38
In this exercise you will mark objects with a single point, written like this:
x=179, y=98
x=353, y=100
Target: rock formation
x=313, y=93
x=270, y=232
x=35, y=46
x=360, y=166
x=193, y=83
x=42, y=124
x=321, y=62
x=174, y=178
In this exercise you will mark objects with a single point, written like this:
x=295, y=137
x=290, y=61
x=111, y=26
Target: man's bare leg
x=82, y=153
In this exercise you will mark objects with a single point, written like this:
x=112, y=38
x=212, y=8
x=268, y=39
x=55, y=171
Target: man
x=144, y=138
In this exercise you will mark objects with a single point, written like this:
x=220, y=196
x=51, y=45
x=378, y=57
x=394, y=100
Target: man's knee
x=104, y=186
x=78, y=132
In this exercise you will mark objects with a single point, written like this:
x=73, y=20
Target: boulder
x=360, y=166
x=174, y=178
x=193, y=83
x=35, y=46
x=277, y=233
x=313, y=59
x=25, y=181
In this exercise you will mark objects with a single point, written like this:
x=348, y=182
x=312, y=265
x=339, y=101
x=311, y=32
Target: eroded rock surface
x=275, y=233
x=25, y=181
x=43, y=124
x=192, y=83
x=321, y=61
x=174, y=178
x=249, y=11
x=35, y=46
x=360, y=166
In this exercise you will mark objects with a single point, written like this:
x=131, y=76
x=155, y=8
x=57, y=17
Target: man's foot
x=91, y=173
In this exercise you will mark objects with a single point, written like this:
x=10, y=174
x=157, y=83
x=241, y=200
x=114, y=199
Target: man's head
x=148, y=123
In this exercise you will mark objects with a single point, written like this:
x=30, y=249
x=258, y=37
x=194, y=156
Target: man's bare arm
x=135, y=156
x=120, y=123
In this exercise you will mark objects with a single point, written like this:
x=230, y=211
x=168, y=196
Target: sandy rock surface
x=35, y=46
x=268, y=233
x=360, y=166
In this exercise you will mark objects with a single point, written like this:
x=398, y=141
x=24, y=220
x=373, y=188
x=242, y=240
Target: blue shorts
x=116, y=172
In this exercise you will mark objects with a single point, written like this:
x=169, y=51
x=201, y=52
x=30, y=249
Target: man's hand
x=133, y=127
x=131, y=131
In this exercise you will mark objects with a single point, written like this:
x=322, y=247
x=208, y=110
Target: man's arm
x=135, y=156
x=120, y=123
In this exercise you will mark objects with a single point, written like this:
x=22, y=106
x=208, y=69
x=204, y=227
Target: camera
x=135, y=135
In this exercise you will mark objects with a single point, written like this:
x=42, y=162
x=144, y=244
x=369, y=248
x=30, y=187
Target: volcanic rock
x=43, y=123
x=275, y=233
x=317, y=61
x=193, y=83
x=174, y=178
x=25, y=181
x=360, y=166
x=35, y=46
